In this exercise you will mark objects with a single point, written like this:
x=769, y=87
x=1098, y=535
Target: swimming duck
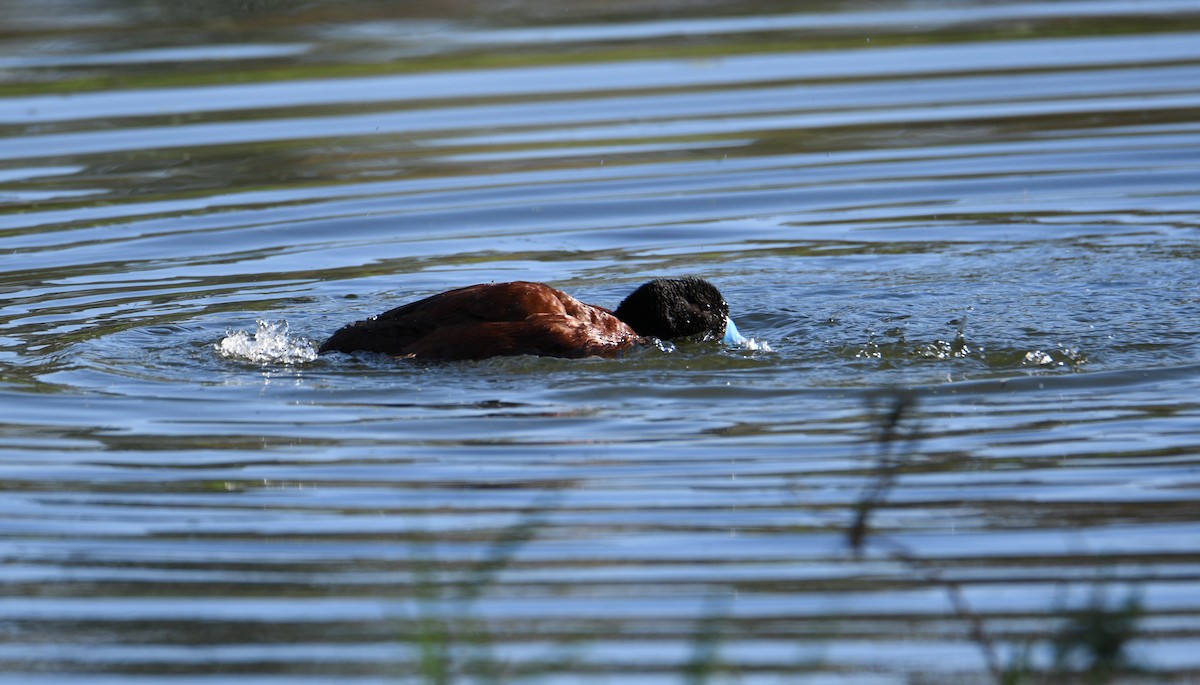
x=504, y=319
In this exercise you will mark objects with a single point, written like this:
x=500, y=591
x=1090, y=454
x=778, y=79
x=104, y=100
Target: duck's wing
x=545, y=335
x=393, y=331
x=397, y=330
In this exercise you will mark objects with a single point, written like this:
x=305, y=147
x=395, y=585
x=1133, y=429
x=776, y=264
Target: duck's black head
x=670, y=308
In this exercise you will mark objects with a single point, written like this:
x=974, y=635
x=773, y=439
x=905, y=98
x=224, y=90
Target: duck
x=526, y=318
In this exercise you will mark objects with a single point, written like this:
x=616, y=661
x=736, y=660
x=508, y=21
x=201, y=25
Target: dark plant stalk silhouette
x=705, y=660
x=887, y=465
x=446, y=619
x=897, y=443
x=1094, y=639
x=1092, y=643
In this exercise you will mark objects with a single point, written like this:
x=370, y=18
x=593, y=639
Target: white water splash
x=1061, y=356
x=270, y=343
x=754, y=345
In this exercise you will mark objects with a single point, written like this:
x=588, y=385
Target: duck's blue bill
x=732, y=336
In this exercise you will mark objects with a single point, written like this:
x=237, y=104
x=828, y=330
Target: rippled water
x=989, y=210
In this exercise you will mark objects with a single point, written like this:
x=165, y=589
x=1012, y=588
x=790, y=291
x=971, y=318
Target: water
x=990, y=210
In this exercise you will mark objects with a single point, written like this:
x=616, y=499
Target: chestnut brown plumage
x=503, y=319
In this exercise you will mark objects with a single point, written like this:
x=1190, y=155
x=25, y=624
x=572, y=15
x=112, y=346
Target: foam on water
x=270, y=343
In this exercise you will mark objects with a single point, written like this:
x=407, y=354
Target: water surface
x=990, y=211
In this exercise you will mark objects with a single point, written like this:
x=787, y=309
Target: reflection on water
x=989, y=210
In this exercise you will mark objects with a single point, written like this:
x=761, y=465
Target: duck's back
x=489, y=320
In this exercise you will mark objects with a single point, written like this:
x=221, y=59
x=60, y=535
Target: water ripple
x=981, y=222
